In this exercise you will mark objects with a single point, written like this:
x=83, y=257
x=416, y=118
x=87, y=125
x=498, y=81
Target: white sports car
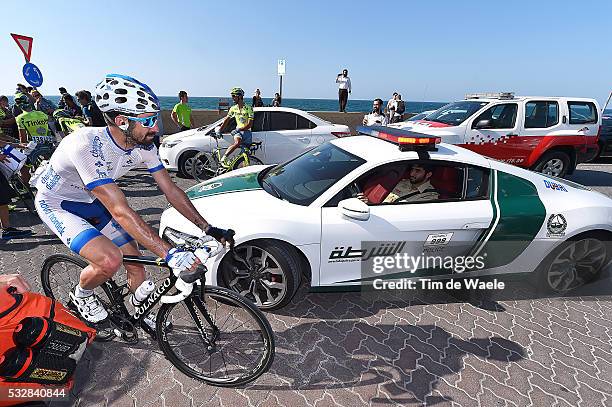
x=284, y=133
x=308, y=218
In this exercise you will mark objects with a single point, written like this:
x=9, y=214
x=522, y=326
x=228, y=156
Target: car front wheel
x=186, y=163
x=266, y=272
x=573, y=264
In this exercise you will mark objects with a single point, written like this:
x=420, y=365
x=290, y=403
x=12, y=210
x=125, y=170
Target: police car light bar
x=498, y=95
x=406, y=140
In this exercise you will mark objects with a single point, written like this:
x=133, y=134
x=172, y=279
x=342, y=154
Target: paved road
x=343, y=349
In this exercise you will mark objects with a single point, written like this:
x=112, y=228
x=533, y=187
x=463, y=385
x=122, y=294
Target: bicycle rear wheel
x=205, y=166
x=60, y=274
x=242, y=342
x=242, y=162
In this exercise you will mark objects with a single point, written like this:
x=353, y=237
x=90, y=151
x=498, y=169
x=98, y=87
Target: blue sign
x=32, y=75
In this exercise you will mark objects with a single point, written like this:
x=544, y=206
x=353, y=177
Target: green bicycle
x=208, y=164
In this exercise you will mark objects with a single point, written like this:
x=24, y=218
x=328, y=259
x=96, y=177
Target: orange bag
x=45, y=360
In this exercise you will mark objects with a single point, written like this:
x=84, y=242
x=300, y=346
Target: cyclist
x=243, y=114
x=80, y=202
x=33, y=125
x=67, y=123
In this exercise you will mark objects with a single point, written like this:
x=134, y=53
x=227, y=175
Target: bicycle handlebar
x=186, y=278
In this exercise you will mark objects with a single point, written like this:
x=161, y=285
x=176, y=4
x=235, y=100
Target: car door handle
x=304, y=138
x=476, y=225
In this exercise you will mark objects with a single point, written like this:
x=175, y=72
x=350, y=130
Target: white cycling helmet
x=121, y=93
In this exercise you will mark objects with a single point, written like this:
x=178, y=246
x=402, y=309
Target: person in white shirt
x=391, y=107
x=344, y=88
x=376, y=117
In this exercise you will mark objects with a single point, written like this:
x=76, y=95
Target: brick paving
x=347, y=350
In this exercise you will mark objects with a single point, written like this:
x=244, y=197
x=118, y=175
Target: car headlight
x=170, y=144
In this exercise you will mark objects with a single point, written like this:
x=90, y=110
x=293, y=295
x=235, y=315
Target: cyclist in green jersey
x=244, y=116
x=67, y=123
x=33, y=125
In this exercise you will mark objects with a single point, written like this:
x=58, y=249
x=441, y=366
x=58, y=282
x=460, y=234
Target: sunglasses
x=145, y=121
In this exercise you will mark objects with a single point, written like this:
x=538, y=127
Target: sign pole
x=281, y=72
x=31, y=73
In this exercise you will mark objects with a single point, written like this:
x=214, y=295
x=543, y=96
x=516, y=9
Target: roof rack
x=498, y=95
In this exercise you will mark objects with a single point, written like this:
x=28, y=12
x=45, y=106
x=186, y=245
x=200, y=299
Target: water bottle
x=142, y=292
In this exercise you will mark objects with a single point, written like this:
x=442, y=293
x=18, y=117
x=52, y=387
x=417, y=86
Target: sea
x=310, y=105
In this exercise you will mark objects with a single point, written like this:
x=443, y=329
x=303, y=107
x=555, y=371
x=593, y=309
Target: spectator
x=91, y=112
x=42, y=104
x=257, y=101
x=399, y=109
x=71, y=106
x=344, y=88
x=61, y=104
x=377, y=116
x=8, y=125
x=21, y=90
x=276, y=102
x=390, y=109
x=6, y=194
x=181, y=113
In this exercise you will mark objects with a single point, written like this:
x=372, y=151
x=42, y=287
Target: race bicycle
x=209, y=333
x=208, y=164
x=13, y=175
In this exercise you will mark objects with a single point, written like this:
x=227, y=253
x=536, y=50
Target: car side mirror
x=483, y=124
x=354, y=208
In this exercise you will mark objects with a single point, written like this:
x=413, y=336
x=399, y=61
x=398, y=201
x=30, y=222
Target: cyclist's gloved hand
x=180, y=260
x=227, y=235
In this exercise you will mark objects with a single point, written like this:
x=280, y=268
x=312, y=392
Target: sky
x=428, y=51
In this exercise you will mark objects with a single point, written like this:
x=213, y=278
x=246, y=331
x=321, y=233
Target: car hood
x=426, y=127
x=241, y=182
x=180, y=135
x=238, y=201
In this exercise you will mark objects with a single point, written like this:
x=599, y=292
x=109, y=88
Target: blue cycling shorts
x=247, y=138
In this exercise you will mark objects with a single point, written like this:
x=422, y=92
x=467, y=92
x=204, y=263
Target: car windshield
x=456, y=113
x=416, y=117
x=303, y=179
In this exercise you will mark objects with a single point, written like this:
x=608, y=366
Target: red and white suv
x=546, y=134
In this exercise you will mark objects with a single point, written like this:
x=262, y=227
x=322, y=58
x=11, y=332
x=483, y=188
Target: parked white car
x=284, y=133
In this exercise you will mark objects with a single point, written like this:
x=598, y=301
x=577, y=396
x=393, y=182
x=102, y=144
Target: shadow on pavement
x=591, y=178
x=346, y=354
x=518, y=287
x=26, y=243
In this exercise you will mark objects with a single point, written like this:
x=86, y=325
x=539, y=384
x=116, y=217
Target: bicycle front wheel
x=205, y=166
x=236, y=349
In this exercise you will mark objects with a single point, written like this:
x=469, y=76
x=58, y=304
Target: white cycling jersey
x=87, y=158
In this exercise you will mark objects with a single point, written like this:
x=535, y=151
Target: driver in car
x=415, y=188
